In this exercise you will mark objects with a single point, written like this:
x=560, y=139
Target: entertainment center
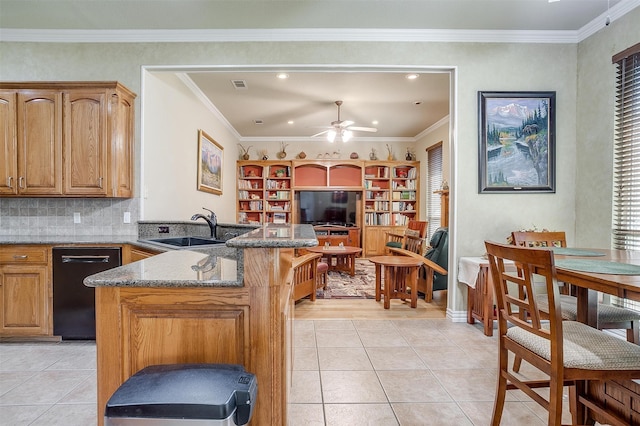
x=355, y=202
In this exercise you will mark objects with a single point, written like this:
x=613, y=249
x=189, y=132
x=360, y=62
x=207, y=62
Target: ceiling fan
x=342, y=130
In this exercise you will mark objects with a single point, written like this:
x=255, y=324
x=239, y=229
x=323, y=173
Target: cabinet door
x=375, y=239
x=121, y=180
x=24, y=300
x=85, y=143
x=8, y=147
x=39, y=142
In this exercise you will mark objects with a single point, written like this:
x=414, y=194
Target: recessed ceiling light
x=282, y=76
x=412, y=76
x=374, y=122
x=290, y=122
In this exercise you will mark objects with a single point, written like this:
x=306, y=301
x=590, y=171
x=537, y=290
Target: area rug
x=341, y=285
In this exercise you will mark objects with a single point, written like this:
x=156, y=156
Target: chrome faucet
x=211, y=220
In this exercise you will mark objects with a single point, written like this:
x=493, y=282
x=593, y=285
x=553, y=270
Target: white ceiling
x=403, y=108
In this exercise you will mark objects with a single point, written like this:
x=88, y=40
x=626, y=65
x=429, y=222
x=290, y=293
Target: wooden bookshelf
x=389, y=194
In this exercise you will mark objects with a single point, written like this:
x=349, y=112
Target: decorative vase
x=265, y=157
x=245, y=156
x=302, y=155
x=281, y=155
x=354, y=156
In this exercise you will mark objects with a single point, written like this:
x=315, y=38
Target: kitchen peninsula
x=202, y=306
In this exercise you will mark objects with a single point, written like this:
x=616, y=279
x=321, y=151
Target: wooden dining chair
x=609, y=316
x=568, y=352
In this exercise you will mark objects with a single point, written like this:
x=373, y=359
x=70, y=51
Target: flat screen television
x=327, y=207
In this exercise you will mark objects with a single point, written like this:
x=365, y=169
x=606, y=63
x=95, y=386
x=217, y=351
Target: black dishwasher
x=74, y=313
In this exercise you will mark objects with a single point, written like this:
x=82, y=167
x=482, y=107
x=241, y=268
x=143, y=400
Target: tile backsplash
x=55, y=216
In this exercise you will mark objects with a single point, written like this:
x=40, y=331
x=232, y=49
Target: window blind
x=626, y=194
x=434, y=181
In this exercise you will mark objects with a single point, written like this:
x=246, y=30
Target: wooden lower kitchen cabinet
x=132, y=253
x=25, y=291
x=248, y=325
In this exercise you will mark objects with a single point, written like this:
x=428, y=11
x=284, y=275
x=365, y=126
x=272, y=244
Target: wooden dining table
x=588, y=284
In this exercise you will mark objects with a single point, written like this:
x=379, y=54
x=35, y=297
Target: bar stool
x=399, y=274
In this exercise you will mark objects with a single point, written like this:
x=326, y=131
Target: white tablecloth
x=468, y=268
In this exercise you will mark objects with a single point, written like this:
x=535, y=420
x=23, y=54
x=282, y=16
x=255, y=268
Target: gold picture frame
x=209, y=164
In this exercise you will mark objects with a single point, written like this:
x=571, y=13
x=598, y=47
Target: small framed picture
x=209, y=164
x=517, y=142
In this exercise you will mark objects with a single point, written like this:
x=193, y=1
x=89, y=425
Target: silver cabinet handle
x=20, y=180
x=100, y=182
x=9, y=181
x=20, y=256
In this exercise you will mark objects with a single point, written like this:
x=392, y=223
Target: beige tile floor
x=400, y=372
x=346, y=372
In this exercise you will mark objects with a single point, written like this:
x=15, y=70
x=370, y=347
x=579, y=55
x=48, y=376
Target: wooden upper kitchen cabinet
x=70, y=139
x=25, y=291
x=31, y=142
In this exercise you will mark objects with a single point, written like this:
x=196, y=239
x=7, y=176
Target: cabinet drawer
x=23, y=254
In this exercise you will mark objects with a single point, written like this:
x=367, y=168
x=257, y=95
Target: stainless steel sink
x=187, y=241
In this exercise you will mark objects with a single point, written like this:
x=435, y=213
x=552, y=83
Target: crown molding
x=285, y=35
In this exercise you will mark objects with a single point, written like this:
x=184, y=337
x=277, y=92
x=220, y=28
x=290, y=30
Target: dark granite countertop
x=210, y=266
x=68, y=239
x=277, y=236
x=178, y=268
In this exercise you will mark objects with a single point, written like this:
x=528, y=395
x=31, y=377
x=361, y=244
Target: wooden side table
x=398, y=273
x=345, y=257
x=475, y=273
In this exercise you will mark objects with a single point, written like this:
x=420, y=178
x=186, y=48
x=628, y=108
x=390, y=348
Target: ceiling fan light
x=331, y=135
x=346, y=135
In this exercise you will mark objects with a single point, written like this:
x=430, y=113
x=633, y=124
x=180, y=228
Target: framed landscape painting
x=209, y=164
x=516, y=142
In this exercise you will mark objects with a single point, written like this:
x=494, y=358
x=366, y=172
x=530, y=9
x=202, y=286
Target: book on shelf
x=279, y=218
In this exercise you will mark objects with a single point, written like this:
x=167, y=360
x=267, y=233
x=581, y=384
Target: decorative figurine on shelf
x=282, y=153
x=444, y=186
x=410, y=156
x=264, y=155
x=245, y=152
x=302, y=155
x=354, y=156
x=372, y=154
x=389, y=153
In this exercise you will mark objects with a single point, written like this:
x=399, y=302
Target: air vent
x=258, y=122
x=239, y=84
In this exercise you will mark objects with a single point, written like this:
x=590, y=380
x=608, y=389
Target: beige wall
x=594, y=128
x=479, y=66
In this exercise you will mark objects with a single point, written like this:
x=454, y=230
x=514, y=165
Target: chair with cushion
x=305, y=276
x=569, y=353
x=609, y=316
x=433, y=275
x=415, y=228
